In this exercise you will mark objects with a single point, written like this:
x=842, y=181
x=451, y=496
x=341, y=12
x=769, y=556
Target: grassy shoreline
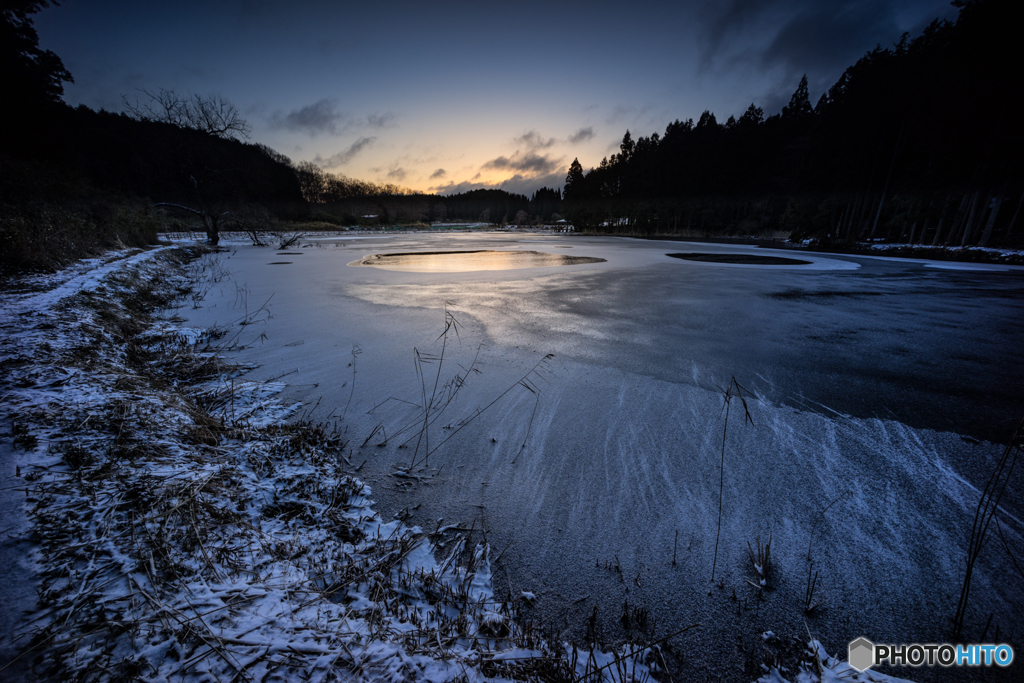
x=185, y=525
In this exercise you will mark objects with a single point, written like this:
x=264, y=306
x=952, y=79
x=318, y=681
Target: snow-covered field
x=190, y=533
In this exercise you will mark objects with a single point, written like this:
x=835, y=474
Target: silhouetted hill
x=158, y=161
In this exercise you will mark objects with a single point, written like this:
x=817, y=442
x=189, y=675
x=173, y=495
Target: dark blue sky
x=450, y=96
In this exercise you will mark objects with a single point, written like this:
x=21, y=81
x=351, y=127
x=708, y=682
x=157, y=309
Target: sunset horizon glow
x=459, y=96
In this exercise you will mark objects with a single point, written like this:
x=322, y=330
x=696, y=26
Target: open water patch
x=824, y=294
x=741, y=259
x=466, y=261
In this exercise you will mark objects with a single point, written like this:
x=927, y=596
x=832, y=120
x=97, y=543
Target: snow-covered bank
x=941, y=256
x=181, y=530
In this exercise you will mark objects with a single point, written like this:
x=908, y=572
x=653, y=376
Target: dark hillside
x=75, y=180
x=919, y=143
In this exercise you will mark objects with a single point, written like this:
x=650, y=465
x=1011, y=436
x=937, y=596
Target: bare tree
x=313, y=181
x=213, y=115
x=207, y=113
x=255, y=221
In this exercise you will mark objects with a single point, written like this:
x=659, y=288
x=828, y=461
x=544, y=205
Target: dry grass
x=985, y=513
x=437, y=396
x=762, y=561
x=49, y=235
x=734, y=390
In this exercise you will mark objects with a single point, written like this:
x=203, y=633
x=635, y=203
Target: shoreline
x=1013, y=257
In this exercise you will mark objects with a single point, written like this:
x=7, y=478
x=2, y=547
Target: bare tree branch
x=210, y=114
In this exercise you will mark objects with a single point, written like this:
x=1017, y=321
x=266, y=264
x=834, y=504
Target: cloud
x=342, y=158
x=807, y=36
x=825, y=35
x=726, y=20
x=458, y=188
x=582, y=135
x=530, y=162
x=500, y=162
x=822, y=39
x=385, y=120
x=398, y=174
x=534, y=140
x=319, y=117
x=439, y=173
x=518, y=184
x=323, y=117
x=621, y=112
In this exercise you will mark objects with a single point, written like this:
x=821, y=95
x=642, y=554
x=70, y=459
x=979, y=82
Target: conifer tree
x=574, y=181
x=29, y=76
x=799, y=106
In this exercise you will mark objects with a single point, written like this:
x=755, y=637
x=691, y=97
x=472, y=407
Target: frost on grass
x=185, y=531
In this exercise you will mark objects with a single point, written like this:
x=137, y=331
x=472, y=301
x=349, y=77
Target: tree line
x=73, y=180
x=920, y=142
x=332, y=195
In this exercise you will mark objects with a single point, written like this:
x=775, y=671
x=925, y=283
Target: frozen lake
x=878, y=382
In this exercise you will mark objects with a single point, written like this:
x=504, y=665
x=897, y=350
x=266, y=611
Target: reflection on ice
x=465, y=261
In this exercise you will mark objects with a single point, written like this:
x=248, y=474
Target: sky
x=446, y=97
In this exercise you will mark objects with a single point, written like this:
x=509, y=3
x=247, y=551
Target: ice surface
x=598, y=474
x=871, y=381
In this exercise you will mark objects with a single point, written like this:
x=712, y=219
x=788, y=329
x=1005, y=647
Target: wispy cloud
x=529, y=162
x=527, y=185
x=534, y=140
x=789, y=38
x=385, y=120
x=457, y=188
x=398, y=174
x=823, y=38
x=518, y=183
x=801, y=34
x=628, y=113
x=439, y=173
x=323, y=117
x=582, y=135
x=342, y=158
x=313, y=119
x=621, y=112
